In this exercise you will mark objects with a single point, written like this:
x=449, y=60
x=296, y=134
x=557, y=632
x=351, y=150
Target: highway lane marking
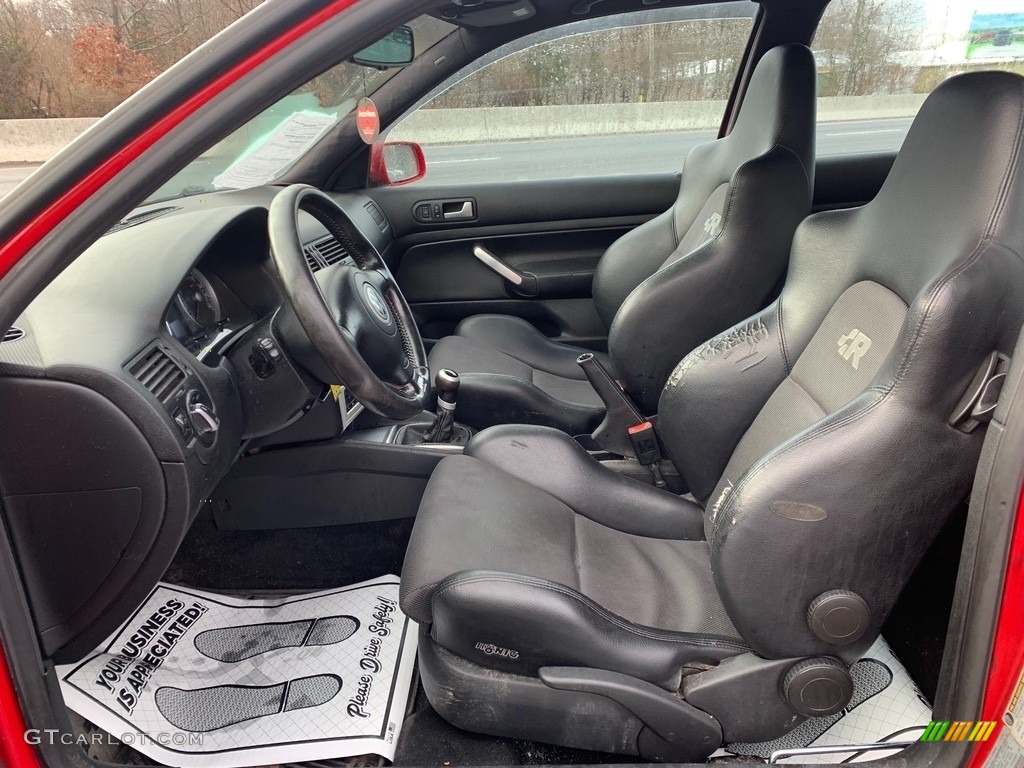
x=464, y=160
x=867, y=133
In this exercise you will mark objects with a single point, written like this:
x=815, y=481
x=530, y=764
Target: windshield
x=265, y=147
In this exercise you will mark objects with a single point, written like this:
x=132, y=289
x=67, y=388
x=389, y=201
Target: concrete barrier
x=35, y=141
x=492, y=125
x=488, y=125
x=837, y=108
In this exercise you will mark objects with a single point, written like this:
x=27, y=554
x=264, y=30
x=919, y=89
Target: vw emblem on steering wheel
x=377, y=303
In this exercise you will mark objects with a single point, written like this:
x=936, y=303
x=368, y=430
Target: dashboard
x=135, y=402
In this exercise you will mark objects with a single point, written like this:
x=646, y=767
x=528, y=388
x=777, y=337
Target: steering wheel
x=355, y=316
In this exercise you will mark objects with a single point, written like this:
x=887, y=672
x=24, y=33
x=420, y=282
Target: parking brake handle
x=621, y=412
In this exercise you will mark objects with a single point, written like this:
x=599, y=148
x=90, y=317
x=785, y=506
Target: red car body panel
x=15, y=751
x=1007, y=663
x=36, y=229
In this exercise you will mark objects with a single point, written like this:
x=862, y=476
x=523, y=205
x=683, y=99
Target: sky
x=947, y=22
x=953, y=17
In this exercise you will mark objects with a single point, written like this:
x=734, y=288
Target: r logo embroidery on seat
x=714, y=224
x=853, y=346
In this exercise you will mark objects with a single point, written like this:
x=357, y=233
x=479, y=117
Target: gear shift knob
x=446, y=382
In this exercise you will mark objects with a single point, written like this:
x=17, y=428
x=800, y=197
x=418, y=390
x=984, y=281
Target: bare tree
x=670, y=61
x=866, y=47
x=15, y=61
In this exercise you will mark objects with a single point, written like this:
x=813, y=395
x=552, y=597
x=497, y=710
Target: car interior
x=657, y=457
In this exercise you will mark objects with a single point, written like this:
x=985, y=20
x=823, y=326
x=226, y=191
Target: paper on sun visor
x=199, y=680
x=289, y=141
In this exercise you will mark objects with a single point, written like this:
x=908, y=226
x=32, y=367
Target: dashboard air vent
x=325, y=252
x=331, y=251
x=12, y=334
x=312, y=258
x=142, y=218
x=158, y=373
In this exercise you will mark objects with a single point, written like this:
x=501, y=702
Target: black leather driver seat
x=826, y=439
x=714, y=258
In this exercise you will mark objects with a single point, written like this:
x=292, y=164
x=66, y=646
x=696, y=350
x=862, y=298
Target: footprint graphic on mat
x=207, y=709
x=231, y=644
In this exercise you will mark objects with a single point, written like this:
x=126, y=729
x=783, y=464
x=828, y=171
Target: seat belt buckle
x=645, y=443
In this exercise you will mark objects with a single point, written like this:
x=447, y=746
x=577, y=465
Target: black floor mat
x=292, y=559
x=322, y=558
x=428, y=740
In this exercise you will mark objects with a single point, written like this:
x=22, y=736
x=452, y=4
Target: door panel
x=445, y=283
x=581, y=203
x=553, y=231
x=562, y=264
x=844, y=181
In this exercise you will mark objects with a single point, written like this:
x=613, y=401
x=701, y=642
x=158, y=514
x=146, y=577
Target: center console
x=365, y=468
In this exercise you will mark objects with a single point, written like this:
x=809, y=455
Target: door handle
x=454, y=209
x=458, y=211
x=495, y=264
x=521, y=282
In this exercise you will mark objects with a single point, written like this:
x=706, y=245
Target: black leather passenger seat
x=662, y=289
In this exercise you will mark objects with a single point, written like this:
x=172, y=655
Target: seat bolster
x=519, y=339
x=486, y=399
x=498, y=388
x=552, y=461
x=716, y=392
x=519, y=624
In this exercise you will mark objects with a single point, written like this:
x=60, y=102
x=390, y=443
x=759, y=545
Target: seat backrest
x=817, y=431
x=718, y=254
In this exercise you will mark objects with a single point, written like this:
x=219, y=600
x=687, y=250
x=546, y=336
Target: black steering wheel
x=355, y=316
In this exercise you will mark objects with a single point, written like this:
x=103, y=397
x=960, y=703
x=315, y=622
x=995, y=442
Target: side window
x=879, y=59
x=626, y=94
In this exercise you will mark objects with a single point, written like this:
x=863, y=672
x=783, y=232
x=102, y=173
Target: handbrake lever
x=621, y=412
x=625, y=430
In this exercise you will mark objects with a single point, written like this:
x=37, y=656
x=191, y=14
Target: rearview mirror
x=395, y=50
x=396, y=163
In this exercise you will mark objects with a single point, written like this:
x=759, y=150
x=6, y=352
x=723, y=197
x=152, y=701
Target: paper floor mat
x=200, y=680
x=886, y=706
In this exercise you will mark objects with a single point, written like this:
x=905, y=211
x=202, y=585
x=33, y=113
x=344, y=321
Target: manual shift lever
x=446, y=382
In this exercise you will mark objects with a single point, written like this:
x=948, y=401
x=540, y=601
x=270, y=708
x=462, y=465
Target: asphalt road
x=563, y=158
x=611, y=155
x=10, y=175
